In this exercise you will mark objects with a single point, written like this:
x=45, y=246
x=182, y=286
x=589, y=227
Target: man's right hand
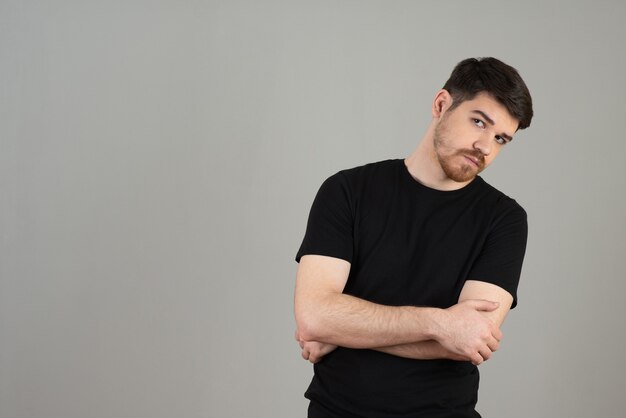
x=465, y=330
x=313, y=351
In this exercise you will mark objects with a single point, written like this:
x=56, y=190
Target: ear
x=441, y=103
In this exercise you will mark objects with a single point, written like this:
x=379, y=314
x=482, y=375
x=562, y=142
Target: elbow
x=309, y=324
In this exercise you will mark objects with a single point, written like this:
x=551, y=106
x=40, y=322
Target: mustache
x=475, y=154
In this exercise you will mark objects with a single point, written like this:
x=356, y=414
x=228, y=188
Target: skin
x=459, y=143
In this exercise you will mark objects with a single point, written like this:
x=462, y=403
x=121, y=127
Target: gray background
x=158, y=161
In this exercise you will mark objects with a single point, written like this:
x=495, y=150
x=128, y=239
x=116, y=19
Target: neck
x=424, y=166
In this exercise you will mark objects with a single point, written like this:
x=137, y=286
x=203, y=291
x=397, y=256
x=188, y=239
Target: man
x=409, y=267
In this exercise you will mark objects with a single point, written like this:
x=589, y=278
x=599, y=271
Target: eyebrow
x=491, y=122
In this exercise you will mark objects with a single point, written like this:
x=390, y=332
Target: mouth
x=473, y=160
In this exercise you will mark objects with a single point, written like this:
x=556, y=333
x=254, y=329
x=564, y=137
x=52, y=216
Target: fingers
x=476, y=359
x=484, y=305
x=493, y=345
x=311, y=356
x=481, y=356
x=297, y=337
x=485, y=352
x=305, y=353
x=497, y=334
x=311, y=352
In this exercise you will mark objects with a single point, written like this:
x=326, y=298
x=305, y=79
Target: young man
x=409, y=267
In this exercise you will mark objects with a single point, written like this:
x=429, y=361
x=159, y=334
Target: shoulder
x=352, y=184
x=500, y=202
x=505, y=214
x=376, y=168
x=348, y=185
x=356, y=178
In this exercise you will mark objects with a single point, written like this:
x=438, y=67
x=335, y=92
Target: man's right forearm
x=422, y=350
x=348, y=321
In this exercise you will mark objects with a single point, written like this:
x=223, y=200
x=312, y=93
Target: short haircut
x=492, y=76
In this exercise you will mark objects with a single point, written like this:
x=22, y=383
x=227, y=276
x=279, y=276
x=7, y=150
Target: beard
x=453, y=162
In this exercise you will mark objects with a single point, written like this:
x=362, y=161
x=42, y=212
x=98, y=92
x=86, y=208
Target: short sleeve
x=330, y=225
x=500, y=260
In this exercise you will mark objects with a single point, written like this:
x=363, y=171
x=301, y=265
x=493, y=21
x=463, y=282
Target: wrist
x=435, y=320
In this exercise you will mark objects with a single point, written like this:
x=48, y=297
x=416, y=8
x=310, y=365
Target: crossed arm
x=327, y=318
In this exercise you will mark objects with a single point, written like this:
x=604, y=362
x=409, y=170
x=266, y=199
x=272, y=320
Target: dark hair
x=492, y=76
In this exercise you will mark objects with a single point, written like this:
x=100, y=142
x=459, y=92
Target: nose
x=483, y=144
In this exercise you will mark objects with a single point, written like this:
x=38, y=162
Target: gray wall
x=158, y=160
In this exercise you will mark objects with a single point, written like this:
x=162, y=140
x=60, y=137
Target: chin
x=460, y=175
x=459, y=179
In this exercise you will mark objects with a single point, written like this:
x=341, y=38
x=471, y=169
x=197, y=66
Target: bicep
x=318, y=276
x=475, y=289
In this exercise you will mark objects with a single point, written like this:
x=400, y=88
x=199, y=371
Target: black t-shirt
x=409, y=245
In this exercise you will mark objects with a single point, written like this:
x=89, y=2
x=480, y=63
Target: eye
x=501, y=140
x=479, y=123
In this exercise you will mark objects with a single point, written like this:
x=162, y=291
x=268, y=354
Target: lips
x=477, y=161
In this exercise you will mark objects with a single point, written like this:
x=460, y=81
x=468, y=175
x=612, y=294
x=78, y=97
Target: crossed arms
x=327, y=318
